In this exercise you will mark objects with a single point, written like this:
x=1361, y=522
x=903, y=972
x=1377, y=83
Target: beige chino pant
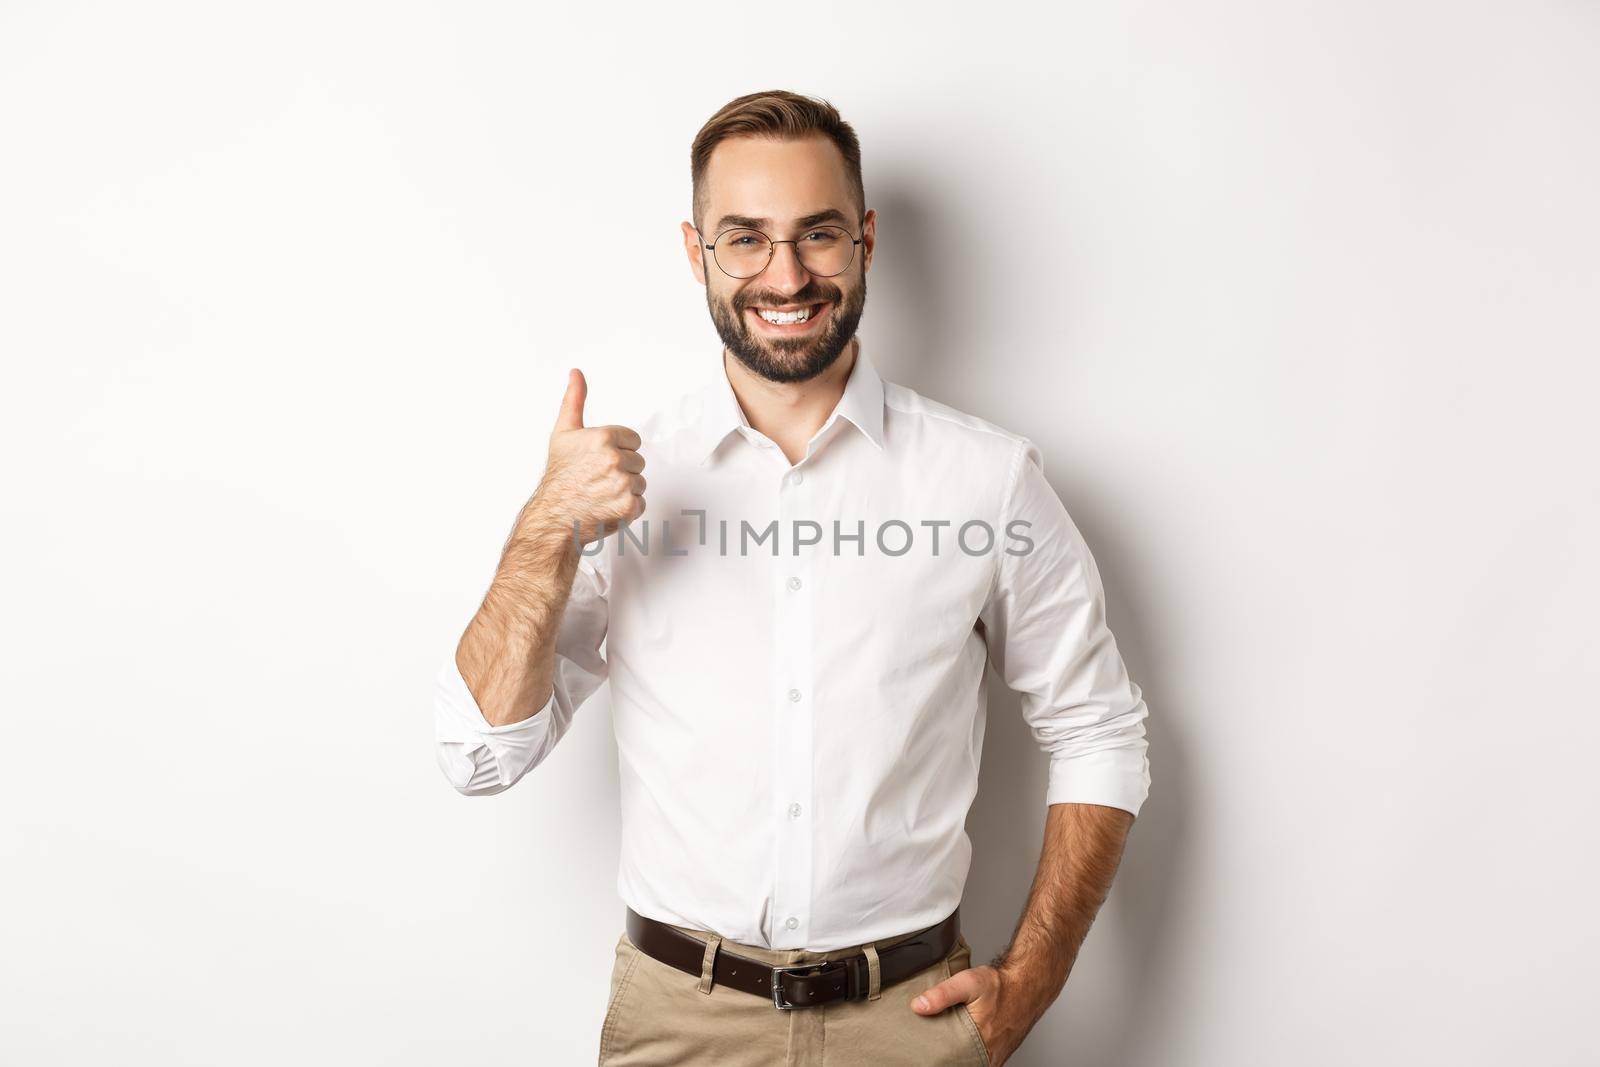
x=659, y=1015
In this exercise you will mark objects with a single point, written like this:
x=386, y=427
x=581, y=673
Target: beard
x=786, y=359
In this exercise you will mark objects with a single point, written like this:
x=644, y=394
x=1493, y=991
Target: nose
x=785, y=272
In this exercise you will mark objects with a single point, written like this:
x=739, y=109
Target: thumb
x=957, y=989
x=571, y=416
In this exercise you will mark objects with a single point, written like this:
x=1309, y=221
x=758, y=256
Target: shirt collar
x=861, y=404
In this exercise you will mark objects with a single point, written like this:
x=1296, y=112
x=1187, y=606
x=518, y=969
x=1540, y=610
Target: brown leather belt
x=800, y=985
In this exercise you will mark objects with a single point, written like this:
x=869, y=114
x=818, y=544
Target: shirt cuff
x=459, y=724
x=1115, y=778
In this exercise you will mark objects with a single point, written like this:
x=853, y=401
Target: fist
x=593, y=477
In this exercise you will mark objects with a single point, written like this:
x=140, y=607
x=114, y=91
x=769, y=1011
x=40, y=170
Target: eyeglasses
x=742, y=253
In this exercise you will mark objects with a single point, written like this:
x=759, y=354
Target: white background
x=1299, y=300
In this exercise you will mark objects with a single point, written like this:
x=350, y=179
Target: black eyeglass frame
x=772, y=250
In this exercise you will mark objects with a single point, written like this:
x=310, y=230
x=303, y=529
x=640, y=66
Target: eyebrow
x=728, y=222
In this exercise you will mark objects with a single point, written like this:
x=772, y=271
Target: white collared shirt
x=796, y=657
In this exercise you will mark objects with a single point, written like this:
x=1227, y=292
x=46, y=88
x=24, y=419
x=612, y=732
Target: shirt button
x=794, y=811
x=794, y=583
x=791, y=922
x=794, y=695
x=796, y=478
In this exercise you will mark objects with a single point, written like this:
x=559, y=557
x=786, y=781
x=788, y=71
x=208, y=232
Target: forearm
x=507, y=654
x=1082, y=848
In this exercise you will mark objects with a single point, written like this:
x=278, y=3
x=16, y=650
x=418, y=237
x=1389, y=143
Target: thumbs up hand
x=592, y=477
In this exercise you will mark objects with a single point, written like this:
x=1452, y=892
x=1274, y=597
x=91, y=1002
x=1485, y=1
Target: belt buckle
x=778, y=972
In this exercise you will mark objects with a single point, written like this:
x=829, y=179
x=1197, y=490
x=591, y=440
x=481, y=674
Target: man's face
x=782, y=188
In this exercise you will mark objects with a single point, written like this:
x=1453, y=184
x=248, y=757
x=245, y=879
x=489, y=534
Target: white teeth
x=784, y=318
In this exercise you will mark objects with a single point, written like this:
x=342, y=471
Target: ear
x=697, y=258
x=869, y=239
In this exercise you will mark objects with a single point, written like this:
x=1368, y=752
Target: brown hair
x=781, y=115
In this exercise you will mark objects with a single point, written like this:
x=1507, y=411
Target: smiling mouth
x=793, y=319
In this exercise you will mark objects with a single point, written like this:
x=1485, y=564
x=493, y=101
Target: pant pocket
x=627, y=959
x=978, y=1047
x=960, y=959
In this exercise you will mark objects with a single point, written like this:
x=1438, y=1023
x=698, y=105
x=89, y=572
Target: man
x=797, y=627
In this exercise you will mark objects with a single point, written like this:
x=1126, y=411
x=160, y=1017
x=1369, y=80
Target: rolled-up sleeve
x=479, y=759
x=1045, y=626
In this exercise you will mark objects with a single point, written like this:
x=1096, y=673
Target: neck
x=790, y=413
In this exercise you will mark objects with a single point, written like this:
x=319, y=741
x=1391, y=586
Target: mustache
x=813, y=293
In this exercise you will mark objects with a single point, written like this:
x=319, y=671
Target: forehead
x=776, y=179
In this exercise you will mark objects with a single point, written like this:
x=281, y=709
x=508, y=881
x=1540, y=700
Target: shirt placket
x=793, y=702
